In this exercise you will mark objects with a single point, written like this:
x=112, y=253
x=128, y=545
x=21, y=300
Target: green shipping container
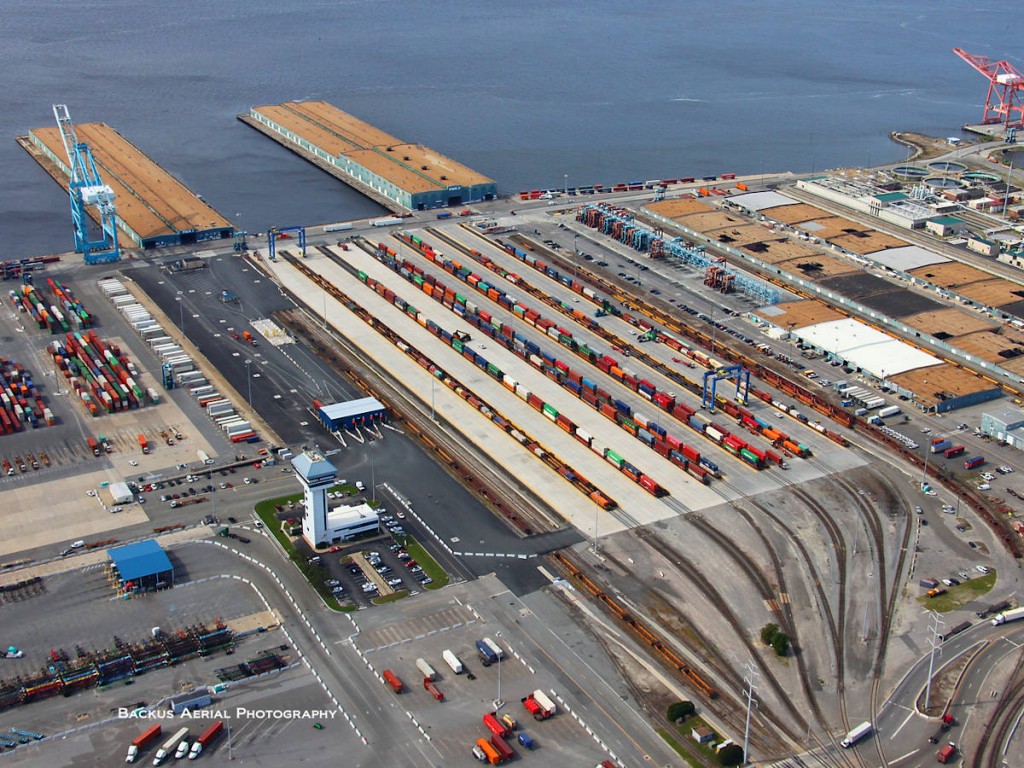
x=416, y=240
x=362, y=276
x=550, y=410
x=496, y=324
x=417, y=279
x=493, y=369
x=459, y=298
x=613, y=458
x=457, y=345
x=519, y=310
x=749, y=457
x=482, y=286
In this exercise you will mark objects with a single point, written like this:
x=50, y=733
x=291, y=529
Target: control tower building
x=317, y=475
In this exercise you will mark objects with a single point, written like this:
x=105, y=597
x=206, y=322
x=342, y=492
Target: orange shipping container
x=741, y=185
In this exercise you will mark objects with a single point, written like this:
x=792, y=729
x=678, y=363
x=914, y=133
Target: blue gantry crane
x=87, y=189
x=275, y=232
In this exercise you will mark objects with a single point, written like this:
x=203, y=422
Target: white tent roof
x=907, y=258
x=757, y=201
x=866, y=348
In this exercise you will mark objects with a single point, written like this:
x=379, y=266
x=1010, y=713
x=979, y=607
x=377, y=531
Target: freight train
x=572, y=380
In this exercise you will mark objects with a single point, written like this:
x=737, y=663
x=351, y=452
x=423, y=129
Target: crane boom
x=1005, y=86
x=86, y=188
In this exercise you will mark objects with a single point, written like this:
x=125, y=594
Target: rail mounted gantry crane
x=87, y=189
x=1004, y=102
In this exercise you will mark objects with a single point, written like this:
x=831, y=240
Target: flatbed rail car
x=458, y=344
x=673, y=325
x=639, y=628
x=503, y=333
x=570, y=379
x=617, y=344
x=584, y=486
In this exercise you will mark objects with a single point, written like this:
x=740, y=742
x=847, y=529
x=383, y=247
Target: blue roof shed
x=144, y=562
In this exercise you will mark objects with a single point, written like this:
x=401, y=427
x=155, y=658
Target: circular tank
x=980, y=177
x=946, y=166
x=942, y=182
x=910, y=172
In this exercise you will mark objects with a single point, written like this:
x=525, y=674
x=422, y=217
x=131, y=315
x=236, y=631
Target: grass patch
x=427, y=563
x=960, y=595
x=266, y=510
x=680, y=750
x=384, y=599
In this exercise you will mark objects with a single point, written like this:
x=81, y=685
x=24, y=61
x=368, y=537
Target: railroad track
x=771, y=598
x=1005, y=718
x=725, y=707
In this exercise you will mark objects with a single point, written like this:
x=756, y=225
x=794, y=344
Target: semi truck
x=93, y=445
x=1007, y=616
x=489, y=752
x=856, y=735
x=142, y=741
x=209, y=736
x=941, y=446
x=539, y=705
x=453, y=661
x=143, y=444
x=168, y=747
x=947, y=753
x=945, y=725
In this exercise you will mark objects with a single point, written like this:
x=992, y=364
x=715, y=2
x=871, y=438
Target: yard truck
x=142, y=741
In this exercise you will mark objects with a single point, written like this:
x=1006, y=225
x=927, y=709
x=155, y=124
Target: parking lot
x=455, y=724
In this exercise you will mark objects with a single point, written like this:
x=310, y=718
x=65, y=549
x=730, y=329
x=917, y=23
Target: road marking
x=907, y=720
x=903, y=757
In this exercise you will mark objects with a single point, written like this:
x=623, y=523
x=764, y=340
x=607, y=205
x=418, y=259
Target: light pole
x=565, y=176
x=1009, y=174
x=498, y=703
x=432, y=417
x=248, y=376
x=181, y=311
x=597, y=512
x=373, y=475
x=935, y=640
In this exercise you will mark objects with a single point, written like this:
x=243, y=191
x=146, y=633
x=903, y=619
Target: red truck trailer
x=432, y=689
x=392, y=679
x=504, y=750
x=93, y=445
x=143, y=444
x=209, y=736
x=494, y=725
x=947, y=753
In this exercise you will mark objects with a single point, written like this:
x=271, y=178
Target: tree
x=680, y=710
x=780, y=644
x=730, y=755
x=768, y=633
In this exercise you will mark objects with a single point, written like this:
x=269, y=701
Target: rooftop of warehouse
x=143, y=558
x=352, y=408
x=148, y=198
x=798, y=314
x=340, y=133
x=949, y=380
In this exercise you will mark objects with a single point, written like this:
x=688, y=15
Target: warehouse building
x=153, y=208
x=352, y=414
x=1004, y=425
x=141, y=567
x=385, y=168
x=120, y=493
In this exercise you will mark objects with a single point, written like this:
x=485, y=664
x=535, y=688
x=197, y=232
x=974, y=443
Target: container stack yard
x=22, y=403
x=103, y=378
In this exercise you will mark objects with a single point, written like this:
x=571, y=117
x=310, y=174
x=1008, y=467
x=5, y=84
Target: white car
x=90, y=493
x=984, y=487
x=247, y=481
x=982, y=569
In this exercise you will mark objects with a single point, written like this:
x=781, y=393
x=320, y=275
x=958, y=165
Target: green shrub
x=780, y=644
x=680, y=710
x=768, y=633
x=730, y=755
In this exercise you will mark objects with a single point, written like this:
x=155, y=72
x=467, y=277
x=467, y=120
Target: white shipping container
x=494, y=647
x=713, y=433
x=238, y=428
x=203, y=390
x=452, y=661
x=425, y=669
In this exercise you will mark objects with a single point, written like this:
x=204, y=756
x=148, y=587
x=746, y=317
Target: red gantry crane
x=1005, y=85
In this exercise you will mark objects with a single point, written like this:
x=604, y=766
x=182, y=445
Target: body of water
x=523, y=91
